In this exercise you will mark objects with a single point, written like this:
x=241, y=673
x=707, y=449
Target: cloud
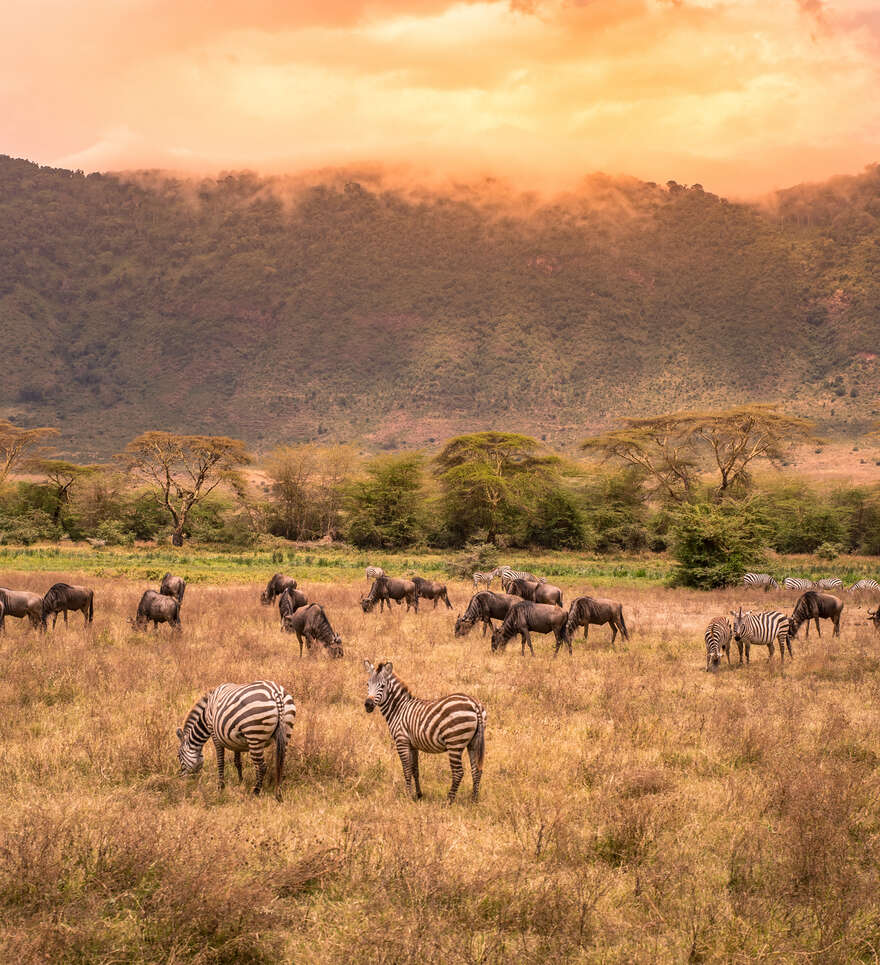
x=740, y=95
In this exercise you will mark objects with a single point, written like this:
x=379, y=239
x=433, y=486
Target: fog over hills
x=345, y=308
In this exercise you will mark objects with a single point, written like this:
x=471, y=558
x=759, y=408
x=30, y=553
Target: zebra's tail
x=280, y=736
x=477, y=745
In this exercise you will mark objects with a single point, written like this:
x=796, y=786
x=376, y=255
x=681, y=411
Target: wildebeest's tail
x=446, y=598
x=477, y=745
x=91, y=605
x=623, y=629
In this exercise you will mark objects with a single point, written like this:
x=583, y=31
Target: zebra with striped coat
x=718, y=636
x=763, y=629
x=449, y=724
x=830, y=583
x=755, y=580
x=509, y=577
x=796, y=583
x=483, y=579
x=239, y=718
x=865, y=586
x=374, y=572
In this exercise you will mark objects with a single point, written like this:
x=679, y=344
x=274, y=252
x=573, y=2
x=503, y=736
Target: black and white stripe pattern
x=865, y=586
x=796, y=583
x=830, y=583
x=509, y=576
x=374, y=572
x=718, y=635
x=449, y=724
x=239, y=718
x=763, y=580
x=762, y=629
x=483, y=579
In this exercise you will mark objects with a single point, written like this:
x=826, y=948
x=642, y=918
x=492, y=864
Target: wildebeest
x=536, y=592
x=310, y=622
x=875, y=618
x=526, y=616
x=289, y=602
x=174, y=586
x=815, y=606
x=385, y=589
x=275, y=587
x=63, y=597
x=432, y=590
x=20, y=604
x=158, y=607
x=484, y=607
x=598, y=611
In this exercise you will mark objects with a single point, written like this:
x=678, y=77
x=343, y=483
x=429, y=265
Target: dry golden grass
x=634, y=808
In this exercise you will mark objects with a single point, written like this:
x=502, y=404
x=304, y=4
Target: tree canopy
x=18, y=443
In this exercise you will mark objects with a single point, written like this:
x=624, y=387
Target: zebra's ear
x=388, y=667
x=179, y=734
x=368, y=666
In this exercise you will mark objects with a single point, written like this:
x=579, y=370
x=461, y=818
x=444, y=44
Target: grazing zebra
x=795, y=583
x=762, y=628
x=237, y=718
x=813, y=606
x=718, y=635
x=449, y=724
x=830, y=583
x=374, y=572
x=865, y=586
x=760, y=579
x=509, y=576
x=484, y=579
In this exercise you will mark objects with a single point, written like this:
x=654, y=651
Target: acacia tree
x=62, y=476
x=182, y=470
x=17, y=443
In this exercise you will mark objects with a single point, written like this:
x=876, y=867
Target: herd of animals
x=253, y=717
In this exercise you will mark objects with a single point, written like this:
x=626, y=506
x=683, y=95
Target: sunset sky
x=742, y=95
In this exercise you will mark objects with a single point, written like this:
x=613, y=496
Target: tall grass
x=633, y=807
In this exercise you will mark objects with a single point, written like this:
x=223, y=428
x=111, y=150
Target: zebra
x=760, y=579
x=865, y=585
x=374, y=572
x=830, y=583
x=240, y=718
x=762, y=628
x=449, y=724
x=508, y=576
x=795, y=583
x=484, y=579
x=718, y=635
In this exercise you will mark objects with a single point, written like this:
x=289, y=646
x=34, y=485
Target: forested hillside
x=248, y=307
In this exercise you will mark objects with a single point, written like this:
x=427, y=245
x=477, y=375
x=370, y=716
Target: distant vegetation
x=248, y=307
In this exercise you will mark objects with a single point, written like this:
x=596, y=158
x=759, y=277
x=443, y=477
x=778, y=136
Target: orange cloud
x=740, y=95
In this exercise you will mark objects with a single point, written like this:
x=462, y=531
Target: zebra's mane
x=400, y=682
x=196, y=713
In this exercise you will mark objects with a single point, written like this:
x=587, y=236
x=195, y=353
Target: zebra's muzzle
x=369, y=704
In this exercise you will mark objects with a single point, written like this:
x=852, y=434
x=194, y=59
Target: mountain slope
x=339, y=311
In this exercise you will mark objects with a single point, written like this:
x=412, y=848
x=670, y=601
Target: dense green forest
x=347, y=311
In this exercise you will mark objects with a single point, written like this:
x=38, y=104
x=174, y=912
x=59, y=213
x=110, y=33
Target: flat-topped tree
x=62, y=475
x=18, y=443
x=182, y=470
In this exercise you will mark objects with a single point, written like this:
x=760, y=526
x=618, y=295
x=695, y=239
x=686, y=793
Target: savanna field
x=633, y=807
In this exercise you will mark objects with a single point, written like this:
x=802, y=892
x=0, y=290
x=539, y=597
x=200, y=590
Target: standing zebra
x=247, y=718
x=760, y=579
x=483, y=579
x=865, y=586
x=718, y=635
x=762, y=628
x=795, y=583
x=509, y=576
x=449, y=724
x=830, y=583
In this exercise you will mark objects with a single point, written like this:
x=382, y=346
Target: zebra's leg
x=476, y=770
x=256, y=752
x=237, y=761
x=404, y=749
x=221, y=763
x=748, y=652
x=457, y=771
x=414, y=757
x=786, y=640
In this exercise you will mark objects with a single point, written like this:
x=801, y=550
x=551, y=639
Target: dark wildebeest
x=875, y=618
x=536, y=592
x=275, y=587
x=588, y=609
x=484, y=607
x=526, y=616
x=385, y=589
x=63, y=597
x=159, y=608
x=310, y=622
x=815, y=606
x=173, y=586
x=20, y=604
x=289, y=602
x=431, y=590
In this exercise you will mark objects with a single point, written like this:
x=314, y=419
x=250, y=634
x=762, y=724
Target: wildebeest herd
x=253, y=717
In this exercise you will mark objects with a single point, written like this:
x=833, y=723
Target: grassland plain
x=634, y=808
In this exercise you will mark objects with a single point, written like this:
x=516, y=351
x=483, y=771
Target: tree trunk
x=177, y=538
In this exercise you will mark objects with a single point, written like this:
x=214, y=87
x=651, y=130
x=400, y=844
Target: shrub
x=114, y=533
